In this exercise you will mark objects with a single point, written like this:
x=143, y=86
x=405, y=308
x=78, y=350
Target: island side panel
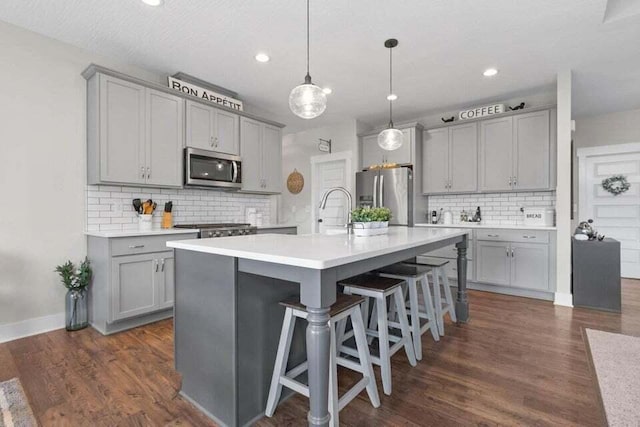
x=205, y=332
x=259, y=321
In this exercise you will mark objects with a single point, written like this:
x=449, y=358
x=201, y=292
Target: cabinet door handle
x=156, y=261
x=507, y=249
x=136, y=246
x=493, y=235
x=211, y=141
x=529, y=237
x=162, y=269
x=512, y=252
x=515, y=181
x=142, y=172
x=217, y=142
x=148, y=173
x=510, y=181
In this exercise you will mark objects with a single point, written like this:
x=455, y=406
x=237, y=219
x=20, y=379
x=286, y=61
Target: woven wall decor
x=295, y=182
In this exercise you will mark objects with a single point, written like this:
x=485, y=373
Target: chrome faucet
x=325, y=197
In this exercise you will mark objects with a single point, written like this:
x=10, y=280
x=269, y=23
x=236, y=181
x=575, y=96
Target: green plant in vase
x=76, y=281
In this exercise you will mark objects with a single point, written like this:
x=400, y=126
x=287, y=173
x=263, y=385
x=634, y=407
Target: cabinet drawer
x=450, y=252
x=525, y=236
x=144, y=244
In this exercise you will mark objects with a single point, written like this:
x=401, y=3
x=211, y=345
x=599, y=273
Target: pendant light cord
x=308, y=40
x=390, y=87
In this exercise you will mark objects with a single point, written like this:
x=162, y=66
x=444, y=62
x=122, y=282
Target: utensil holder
x=145, y=222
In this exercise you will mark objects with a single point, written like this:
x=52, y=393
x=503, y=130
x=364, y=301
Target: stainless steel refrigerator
x=391, y=188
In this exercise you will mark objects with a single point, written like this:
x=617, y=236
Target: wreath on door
x=616, y=184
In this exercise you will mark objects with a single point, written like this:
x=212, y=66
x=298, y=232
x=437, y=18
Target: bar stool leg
x=415, y=317
x=428, y=303
x=437, y=300
x=383, y=344
x=400, y=303
x=373, y=322
x=365, y=357
x=282, y=357
x=447, y=295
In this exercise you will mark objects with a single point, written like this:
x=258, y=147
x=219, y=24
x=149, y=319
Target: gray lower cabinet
x=134, y=280
x=209, y=128
x=261, y=152
x=134, y=134
x=521, y=259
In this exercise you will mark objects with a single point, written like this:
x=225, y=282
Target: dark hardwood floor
x=518, y=362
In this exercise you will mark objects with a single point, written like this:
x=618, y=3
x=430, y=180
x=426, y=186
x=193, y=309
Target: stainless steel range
x=220, y=229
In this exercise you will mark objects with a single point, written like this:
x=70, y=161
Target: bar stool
x=378, y=289
x=440, y=278
x=412, y=275
x=345, y=307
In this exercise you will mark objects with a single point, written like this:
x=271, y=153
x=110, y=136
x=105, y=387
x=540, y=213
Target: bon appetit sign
x=205, y=94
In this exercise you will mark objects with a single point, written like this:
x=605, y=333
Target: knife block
x=167, y=220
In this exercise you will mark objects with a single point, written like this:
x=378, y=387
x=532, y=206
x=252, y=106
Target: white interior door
x=330, y=170
x=617, y=217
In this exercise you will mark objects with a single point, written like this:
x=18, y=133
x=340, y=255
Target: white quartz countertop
x=317, y=251
x=134, y=233
x=486, y=226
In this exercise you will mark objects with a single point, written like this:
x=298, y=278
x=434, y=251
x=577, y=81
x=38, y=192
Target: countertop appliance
x=220, y=229
x=204, y=168
x=391, y=188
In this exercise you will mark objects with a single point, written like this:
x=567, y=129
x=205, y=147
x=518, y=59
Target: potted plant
x=76, y=305
x=369, y=221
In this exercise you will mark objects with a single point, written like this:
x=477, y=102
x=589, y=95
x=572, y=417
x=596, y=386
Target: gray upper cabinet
x=496, y=154
x=373, y=154
x=435, y=161
x=164, y=138
x=531, y=151
x=135, y=134
x=261, y=152
x=209, y=128
x=450, y=159
x=120, y=120
x=515, y=153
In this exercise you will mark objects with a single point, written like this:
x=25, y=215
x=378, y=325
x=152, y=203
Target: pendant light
x=390, y=139
x=307, y=100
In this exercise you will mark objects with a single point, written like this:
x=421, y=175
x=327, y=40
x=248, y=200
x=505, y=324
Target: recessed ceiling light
x=327, y=90
x=153, y=2
x=262, y=57
x=392, y=97
x=490, y=72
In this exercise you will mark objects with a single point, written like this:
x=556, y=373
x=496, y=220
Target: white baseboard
x=560, y=298
x=25, y=328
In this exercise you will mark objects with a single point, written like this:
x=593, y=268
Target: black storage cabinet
x=596, y=274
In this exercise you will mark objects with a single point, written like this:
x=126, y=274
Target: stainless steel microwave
x=204, y=168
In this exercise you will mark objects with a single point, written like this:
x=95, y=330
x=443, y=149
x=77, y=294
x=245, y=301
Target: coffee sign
x=487, y=110
x=205, y=94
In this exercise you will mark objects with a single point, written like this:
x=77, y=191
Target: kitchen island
x=227, y=317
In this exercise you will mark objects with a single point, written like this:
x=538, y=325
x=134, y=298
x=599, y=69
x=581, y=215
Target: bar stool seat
x=413, y=275
x=377, y=289
x=345, y=307
x=440, y=278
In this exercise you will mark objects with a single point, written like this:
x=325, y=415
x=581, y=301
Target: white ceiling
x=444, y=47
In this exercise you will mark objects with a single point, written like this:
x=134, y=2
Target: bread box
x=539, y=216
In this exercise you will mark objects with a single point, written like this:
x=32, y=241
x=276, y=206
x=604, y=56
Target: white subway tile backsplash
x=496, y=208
x=109, y=207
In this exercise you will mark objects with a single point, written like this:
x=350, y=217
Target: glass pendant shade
x=390, y=139
x=307, y=101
